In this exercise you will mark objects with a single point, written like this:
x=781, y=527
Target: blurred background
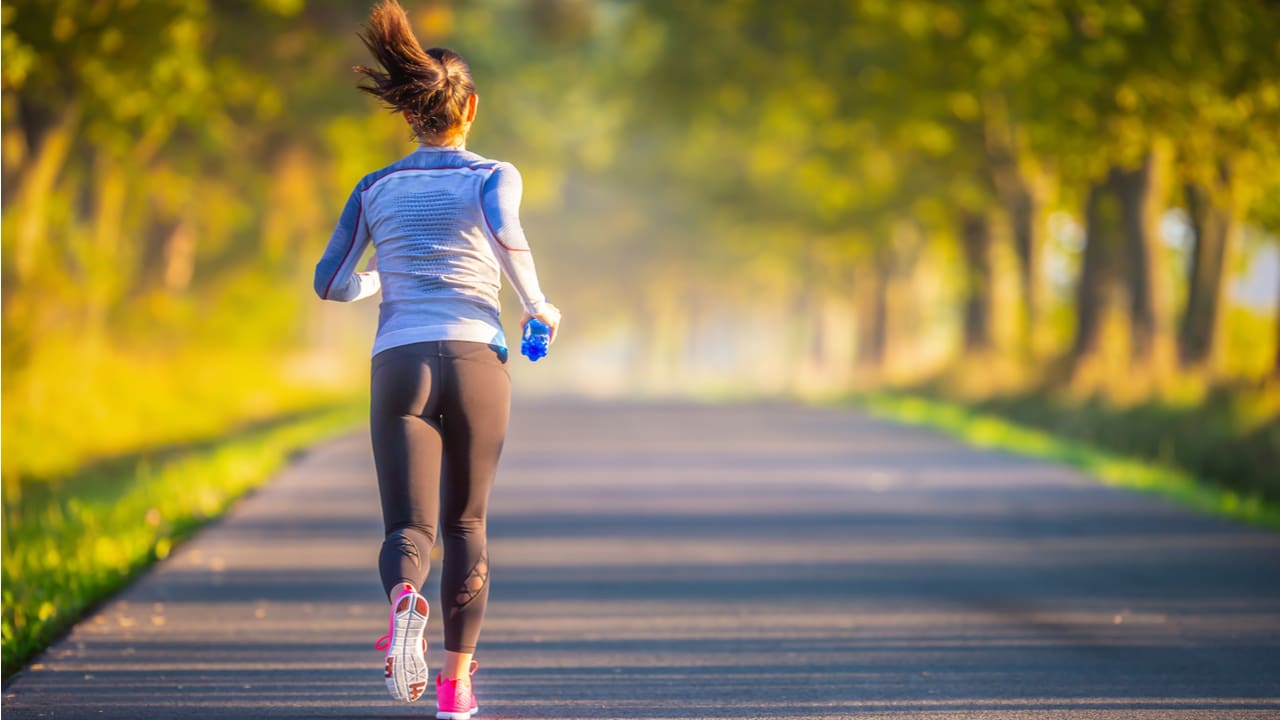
x=1064, y=212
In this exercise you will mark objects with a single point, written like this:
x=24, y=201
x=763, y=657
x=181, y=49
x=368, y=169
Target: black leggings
x=438, y=417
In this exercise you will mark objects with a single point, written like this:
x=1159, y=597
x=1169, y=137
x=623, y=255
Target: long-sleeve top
x=445, y=225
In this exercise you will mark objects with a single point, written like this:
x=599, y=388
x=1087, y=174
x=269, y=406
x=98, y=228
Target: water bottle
x=536, y=338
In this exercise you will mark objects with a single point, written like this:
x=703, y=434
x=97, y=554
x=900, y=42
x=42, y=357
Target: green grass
x=70, y=542
x=987, y=428
x=1228, y=437
x=71, y=404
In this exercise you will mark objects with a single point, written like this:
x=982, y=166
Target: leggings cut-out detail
x=475, y=583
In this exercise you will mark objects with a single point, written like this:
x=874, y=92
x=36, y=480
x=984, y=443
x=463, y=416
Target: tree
x=1228, y=120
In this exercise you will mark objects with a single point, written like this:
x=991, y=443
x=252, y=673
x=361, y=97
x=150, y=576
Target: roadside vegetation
x=1213, y=458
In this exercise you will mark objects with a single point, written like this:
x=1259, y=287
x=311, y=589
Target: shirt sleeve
x=336, y=278
x=500, y=200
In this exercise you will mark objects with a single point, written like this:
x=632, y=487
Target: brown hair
x=431, y=86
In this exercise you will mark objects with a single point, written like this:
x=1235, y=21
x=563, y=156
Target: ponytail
x=430, y=86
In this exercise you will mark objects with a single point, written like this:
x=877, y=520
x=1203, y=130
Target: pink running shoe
x=405, y=667
x=454, y=698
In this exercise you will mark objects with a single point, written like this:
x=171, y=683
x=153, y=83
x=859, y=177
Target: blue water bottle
x=536, y=338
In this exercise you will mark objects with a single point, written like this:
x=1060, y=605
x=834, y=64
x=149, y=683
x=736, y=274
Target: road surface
x=669, y=560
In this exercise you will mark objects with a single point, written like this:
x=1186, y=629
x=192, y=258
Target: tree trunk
x=1215, y=228
x=873, y=335
x=666, y=326
x=975, y=240
x=908, y=243
x=106, y=275
x=1019, y=182
x=1139, y=191
x=1098, y=271
x=179, y=257
x=1028, y=240
x=1275, y=369
x=36, y=187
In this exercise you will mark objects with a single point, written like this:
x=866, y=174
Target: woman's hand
x=550, y=315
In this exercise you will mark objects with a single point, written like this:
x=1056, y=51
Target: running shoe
x=454, y=698
x=405, y=668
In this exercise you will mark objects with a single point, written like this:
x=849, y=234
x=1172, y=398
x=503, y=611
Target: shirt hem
x=483, y=334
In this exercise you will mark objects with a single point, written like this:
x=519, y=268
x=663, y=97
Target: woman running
x=444, y=224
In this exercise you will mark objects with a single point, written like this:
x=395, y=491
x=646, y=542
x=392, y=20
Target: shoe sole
x=405, y=667
x=442, y=715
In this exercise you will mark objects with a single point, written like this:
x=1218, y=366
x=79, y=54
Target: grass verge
x=988, y=430
x=69, y=543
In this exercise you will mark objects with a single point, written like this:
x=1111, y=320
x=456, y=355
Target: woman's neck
x=449, y=146
x=455, y=139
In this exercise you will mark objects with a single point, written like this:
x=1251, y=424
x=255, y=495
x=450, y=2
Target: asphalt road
x=684, y=561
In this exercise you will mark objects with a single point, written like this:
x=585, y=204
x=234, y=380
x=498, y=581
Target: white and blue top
x=444, y=223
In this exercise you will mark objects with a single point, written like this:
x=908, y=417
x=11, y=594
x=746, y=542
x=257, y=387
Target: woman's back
x=444, y=225
x=428, y=230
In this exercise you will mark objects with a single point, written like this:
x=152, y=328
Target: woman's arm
x=336, y=278
x=500, y=201
x=501, y=204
